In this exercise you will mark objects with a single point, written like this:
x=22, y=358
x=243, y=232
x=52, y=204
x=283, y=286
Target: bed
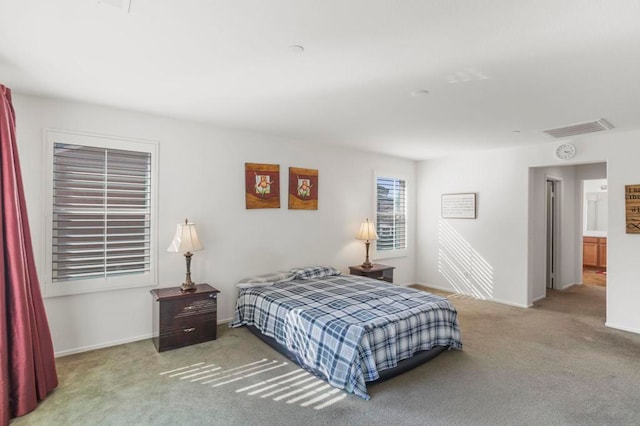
x=348, y=330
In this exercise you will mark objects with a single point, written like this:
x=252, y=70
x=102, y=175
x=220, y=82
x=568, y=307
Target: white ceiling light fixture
x=296, y=49
x=419, y=93
x=466, y=75
x=580, y=129
x=124, y=5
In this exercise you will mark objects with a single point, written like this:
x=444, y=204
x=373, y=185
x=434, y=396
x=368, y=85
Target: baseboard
x=620, y=327
x=567, y=286
x=490, y=299
x=544, y=296
x=101, y=345
x=504, y=302
x=435, y=287
x=115, y=343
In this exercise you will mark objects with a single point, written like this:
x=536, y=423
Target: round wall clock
x=565, y=151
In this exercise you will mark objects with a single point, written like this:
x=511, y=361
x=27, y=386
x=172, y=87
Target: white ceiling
x=491, y=67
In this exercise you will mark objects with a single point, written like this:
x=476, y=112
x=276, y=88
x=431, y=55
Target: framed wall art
x=262, y=186
x=632, y=208
x=458, y=206
x=303, y=189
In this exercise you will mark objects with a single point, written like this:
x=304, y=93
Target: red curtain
x=27, y=364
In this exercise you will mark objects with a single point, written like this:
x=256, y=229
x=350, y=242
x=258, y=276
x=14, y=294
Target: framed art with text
x=632, y=208
x=303, y=189
x=262, y=186
x=458, y=206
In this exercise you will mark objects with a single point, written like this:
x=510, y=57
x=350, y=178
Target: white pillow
x=310, y=272
x=265, y=279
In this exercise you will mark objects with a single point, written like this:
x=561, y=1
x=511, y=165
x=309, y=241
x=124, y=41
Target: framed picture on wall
x=303, y=189
x=458, y=206
x=262, y=186
x=632, y=208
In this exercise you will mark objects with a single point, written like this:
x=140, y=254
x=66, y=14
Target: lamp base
x=188, y=286
x=366, y=264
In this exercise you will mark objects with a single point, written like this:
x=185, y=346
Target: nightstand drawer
x=185, y=335
x=377, y=271
x=385, y=278
x=185, y=311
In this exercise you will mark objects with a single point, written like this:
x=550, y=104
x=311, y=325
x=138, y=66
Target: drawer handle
x=381, y=278
x=189, y=308
x=189, y=330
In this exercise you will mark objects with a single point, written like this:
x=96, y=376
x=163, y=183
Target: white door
x=551, y=231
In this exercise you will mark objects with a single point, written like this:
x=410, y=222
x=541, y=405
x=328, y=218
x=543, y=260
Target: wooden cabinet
x=602, y=252
x=594, y=252
x=590, y=251
x=377, y=271
x=182, y=318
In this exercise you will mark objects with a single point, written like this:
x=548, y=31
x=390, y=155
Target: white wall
x=501, y=234
x=477, y=256
x=201, y=176
x=591, y=171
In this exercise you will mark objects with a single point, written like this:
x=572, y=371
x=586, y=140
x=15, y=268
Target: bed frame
x=405, y=365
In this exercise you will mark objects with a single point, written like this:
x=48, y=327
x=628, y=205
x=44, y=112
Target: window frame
x=393, y=253
x=91, y=285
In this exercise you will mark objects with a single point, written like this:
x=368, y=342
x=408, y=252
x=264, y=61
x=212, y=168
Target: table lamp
x=367, y=233
x=185, y=241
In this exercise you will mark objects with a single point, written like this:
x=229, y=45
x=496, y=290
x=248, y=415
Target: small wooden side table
x=377, y=271
x=182, y=318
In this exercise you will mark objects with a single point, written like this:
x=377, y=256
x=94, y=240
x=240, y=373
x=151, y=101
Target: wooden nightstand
x=379, y=272
x=184, y=318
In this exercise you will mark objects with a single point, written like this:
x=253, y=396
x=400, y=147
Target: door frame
x=552, y=230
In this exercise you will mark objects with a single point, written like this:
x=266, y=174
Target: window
x=100, y=230
x=391, y=215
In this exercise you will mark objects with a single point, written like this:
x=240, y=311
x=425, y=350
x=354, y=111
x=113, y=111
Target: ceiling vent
x=580, y=129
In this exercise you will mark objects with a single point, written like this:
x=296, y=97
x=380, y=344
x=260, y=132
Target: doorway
x=556, y=228
x=594, y=232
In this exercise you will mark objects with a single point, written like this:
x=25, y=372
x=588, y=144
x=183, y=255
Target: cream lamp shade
x=367, y=231
x=185, y=241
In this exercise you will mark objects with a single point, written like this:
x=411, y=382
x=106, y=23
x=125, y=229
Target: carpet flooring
x=553, y=364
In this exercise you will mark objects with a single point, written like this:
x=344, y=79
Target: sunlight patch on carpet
x=461, y=296
x=277, y=381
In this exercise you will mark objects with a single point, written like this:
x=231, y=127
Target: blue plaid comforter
x=346, y=329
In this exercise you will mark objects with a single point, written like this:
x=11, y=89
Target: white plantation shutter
x=391, y=214
x=101, y=212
